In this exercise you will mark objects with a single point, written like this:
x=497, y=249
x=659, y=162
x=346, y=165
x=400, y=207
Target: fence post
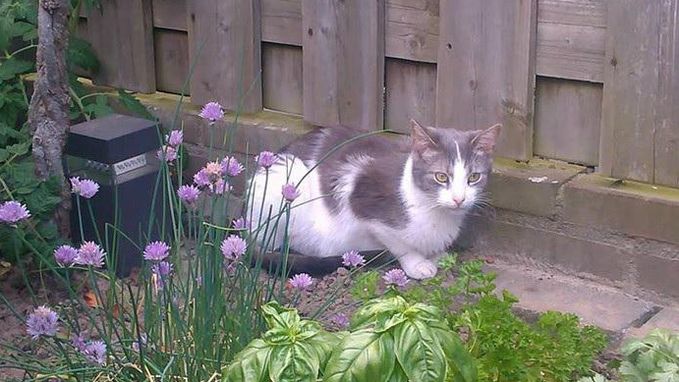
x=225, y=53
x=486, y=69
x=640, y=118
x=343, y=59
x=121, y=33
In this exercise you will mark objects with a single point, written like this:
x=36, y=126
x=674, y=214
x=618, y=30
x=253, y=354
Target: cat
x=408, y=195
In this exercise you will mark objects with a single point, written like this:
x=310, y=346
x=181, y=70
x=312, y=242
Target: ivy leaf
x=12, y=67
x=361, y=356
x=250, y=365
x=418, y=352
x=294, y=362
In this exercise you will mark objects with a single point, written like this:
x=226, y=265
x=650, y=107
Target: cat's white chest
x=432, y=231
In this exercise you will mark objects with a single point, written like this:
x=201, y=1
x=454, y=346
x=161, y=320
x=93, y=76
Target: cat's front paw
x=419, y=270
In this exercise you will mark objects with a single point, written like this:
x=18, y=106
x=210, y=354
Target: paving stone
x=529, y=187
x=659, y=274
x=538, y=291
x=667, y=318
x=629, y=207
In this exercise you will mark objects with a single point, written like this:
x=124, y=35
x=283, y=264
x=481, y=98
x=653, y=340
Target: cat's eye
x=441, y=177
x=473, y=177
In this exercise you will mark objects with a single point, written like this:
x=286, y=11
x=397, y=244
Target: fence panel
x=411, y=93
x=170, y=14
x=282, y=21
x=343, y=58
x=121, y=34
x=571, y=39
x=412, y=29
x=486, y=69
x=640, y=126
x=225, y=49
x=282, y=77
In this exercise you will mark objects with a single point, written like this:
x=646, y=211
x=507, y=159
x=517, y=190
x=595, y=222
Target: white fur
x=314, y=230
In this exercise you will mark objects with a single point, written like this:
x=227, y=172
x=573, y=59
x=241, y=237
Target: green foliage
x=389, y=338
x=654, y=358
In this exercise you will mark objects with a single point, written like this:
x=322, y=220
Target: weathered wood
x=123, y=42
x=225, y=48
x=282, y=21
x=172, y=60
x=343, y=59
x=486, y=69
x=170, y=14
x=412, y=29
x=568, y=120
x=282, y=77
x=640, y=123
x=571, y=39
x=411, y=93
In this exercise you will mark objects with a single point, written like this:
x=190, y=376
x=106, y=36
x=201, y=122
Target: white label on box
x=129, y=164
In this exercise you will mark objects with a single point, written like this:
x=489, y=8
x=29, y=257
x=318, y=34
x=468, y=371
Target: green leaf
x=81, y=55
x=132, y=104
x=361, y=357
x=324, y=343
x=669, y=372
x=375, y=309
x=12, y=67
x=250, y=365
x=277, y=316
x=292, y=363
x=19, y=148
x=461, y=362
x=418, y=352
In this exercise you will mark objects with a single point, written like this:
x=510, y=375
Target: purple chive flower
x=231, y=166
x=86, y=188
x=301, y=281
x=95, y=352
x=42, y=322
x=79, y=342
x=214, y=169
x=188, y=193
x=353, y=259
x=266, y=159
x=396, y=277
x=212, y=111
x=201, y=178
x=233, y=247
x=290, y=192
x=12, y=212
x=162, y=272
x=241, y=223
x=167, y=153
x=175, y=138
x=220, y=186
x=90, y=253
x=340, y=320
x=65, y=255
x=156, y=251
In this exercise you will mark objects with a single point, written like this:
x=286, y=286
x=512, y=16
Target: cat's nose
x=458, y=200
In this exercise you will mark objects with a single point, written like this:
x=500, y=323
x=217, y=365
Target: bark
x=48, y=111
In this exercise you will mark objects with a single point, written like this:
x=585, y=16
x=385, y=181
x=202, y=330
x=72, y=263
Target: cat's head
x=452, y=167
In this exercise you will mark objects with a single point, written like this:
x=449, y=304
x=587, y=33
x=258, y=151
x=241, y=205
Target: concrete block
x=659, y=274
x=537, y=291
x=575, y=254
x=632, y=208
x=529, y=187
x=667, y=318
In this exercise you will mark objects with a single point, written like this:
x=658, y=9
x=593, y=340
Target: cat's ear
x=485, y=140
x=421, y=138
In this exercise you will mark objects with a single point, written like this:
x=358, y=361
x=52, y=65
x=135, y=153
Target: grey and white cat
x=406, y=195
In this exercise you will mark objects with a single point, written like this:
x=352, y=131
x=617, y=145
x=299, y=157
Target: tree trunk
x=48, y=111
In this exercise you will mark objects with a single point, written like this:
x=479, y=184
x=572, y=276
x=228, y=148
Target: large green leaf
x=250, y=365
x=462, y=364
x=81, y=55
x=362, y=356
x=419, y=353
x=376, y=309
x=12, y=67
x=134, y=105
x=324, y=343
x=297, y=362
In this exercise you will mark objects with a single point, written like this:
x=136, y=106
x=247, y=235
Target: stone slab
x=538, y=291
x=632, y=208
x=530, y=187
x=667, y=318
x=659, y=274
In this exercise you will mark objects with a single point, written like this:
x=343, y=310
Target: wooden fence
x=593, y=82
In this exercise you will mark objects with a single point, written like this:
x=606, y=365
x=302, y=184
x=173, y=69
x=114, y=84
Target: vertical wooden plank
x=169, y=14
x=411, y=93
x=121, y=33
x=343, y=57
x=568, y=120
x=282, y=21
x=486, y=69
x=640, y=124
x=411, y=29
x=172, y=60
x=225, y=50
x=282, y=77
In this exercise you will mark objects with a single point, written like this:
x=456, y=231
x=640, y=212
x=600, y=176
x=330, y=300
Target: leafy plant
x=654, y=358
x=390, y=338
